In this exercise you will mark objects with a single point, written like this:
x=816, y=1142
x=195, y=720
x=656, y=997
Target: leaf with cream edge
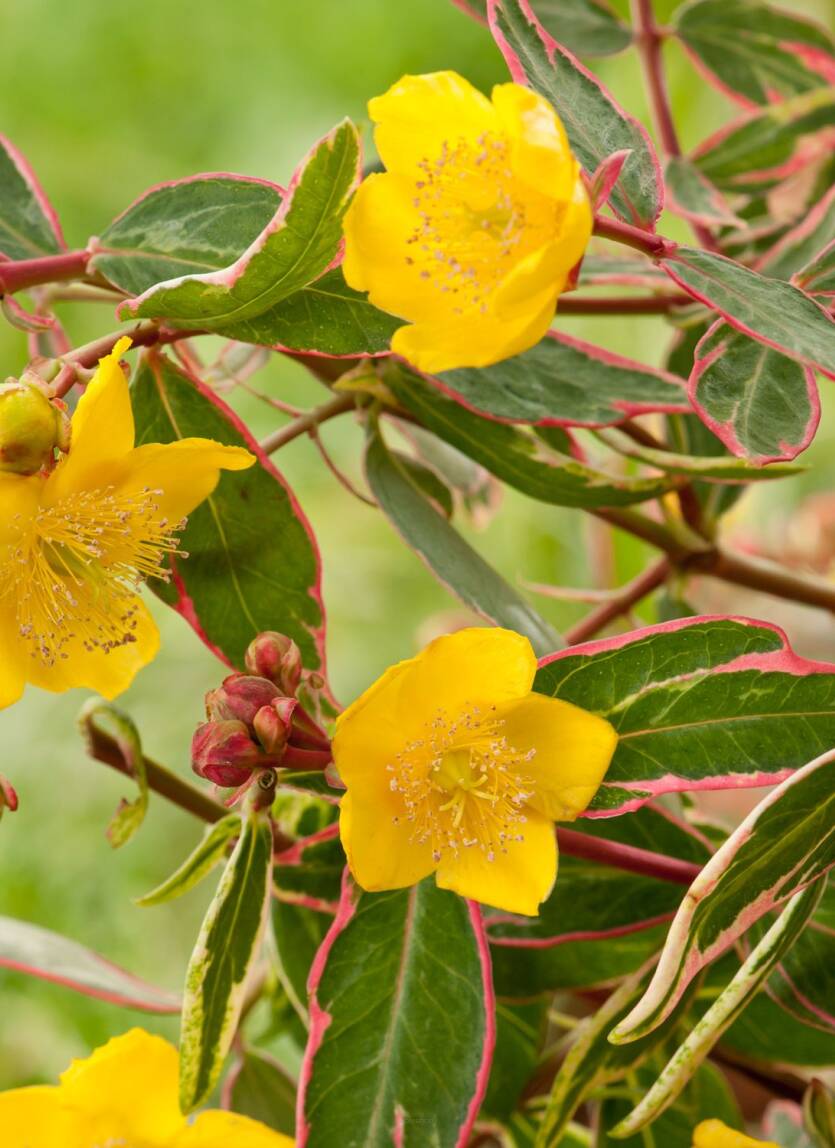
x=27, y=948
x=785, y=843
x=683, y=724
x=755, y=53
x=402, y=1022
x=222, y=959
x=692, y=196
x=253, y=564
x=595, y=123
x=587, y=27
x=29, y=227
x=296, y=247
x=803, y=984
x=210, y=851
x=762, y=405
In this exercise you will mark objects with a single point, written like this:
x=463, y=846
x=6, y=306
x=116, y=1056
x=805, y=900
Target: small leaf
x=222, y=959
x=199, y=863
x=130, y=814
x=595, y=122
x=27, y=948
x=691, y=195
x=29, y=227
x=260, y=1089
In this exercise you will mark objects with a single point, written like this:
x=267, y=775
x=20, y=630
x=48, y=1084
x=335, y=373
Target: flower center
x=462, y=785
x=75, y=569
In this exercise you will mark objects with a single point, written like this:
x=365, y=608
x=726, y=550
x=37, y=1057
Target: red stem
x=627, y=857
x=23, y=273
x=635, y=305
x=143, y=335
x=294, y=758
x=655, y=246
x=647, y=581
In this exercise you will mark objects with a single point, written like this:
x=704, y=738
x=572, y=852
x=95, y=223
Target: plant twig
x=767, y=577
x=621, y=602
x=338, y=405
x=626, y=305
x=627, y=857
x=145, y=334
x=654, y=245
x=20, y=274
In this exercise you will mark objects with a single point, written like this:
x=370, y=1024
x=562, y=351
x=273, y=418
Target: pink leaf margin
x=320, y=1019
x=798, y=234
x=720, y=216
x=604, y=179
x=31, y=180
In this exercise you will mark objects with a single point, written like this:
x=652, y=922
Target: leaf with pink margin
x=769, y=310
x=818, y=277
x=786, y=843
x=402, y=980
x=692, y=196
x=29, y=227
x=605, y=177
x=803, y=243
x=28, y=948
x=595, y=123
x=620, y=270
x=683, y=722
x=761, y=404
x=586, y=27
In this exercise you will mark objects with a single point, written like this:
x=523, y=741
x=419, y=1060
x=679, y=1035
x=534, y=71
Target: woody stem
x=622, y=602
x=627, y=857
x=23, y=273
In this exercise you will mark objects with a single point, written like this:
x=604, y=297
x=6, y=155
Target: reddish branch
x=621, y=603
x=22, y=273
x=651, y=244
x=145, y=334
x=627, y=857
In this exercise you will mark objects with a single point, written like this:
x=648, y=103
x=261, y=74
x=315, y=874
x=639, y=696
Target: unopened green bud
x=31, y=427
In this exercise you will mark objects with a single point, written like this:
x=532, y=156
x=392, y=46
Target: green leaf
x=515, y=457
x=718, y=467
x=129, y=815
x=818, y=276
x=210, y=850
x=427, y=482
x=595, y=123
x=520, y=1031
x=259, y=1088
x=223, y=956
x=295, y=247
x=801, y=246
x=27, y=948
x=448, y=556
x=310, y=871
x=402, y=1016
x=775, y=313
x=804, y=982
x=253, y=563
x=691, y=195
x=785, y=843
x=619, y=268
x=471, y=485
x=753, y=50
x=29, y=227
x=701, y=703
x=586, y=27
x=819, y=1113
x=297, y=934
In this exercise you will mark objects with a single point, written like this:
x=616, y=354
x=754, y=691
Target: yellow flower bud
x=31, y=427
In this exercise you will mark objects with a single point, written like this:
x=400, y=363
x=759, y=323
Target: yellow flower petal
x=516, y=881
x=185, y=472
x=572, y=747
x=127, y=1090
x=715, y=1134
x=368, y=733
x=13, y=662
x=35, y=1118
x=217, y=1129
x=419, y=114
x=19, y=498
x=379, y=852
x=540, y=154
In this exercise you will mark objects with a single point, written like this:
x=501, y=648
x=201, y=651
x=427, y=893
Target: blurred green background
x=106, y=99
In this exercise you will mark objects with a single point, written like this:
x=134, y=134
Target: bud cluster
x=255, y=722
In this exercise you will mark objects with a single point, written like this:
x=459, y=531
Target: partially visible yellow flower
x=472, y=231
x=75, y=544
x=125, y=1094
x=454, y=766
x=715, y=1134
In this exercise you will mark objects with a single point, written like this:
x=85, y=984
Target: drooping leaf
x=402, y=1022
x=595, y=122
x=785, y=843
x=691, y=195
x=754, y=52
x=253, y=563
x=261, y=1089
x=445, y=552
x=295, y=248
x=763, y=405
x=29, y=227
x=804, y=982
x=473, y=488
x=27, y=948
x=586, y=27
x=222, y=959
x=683, y=723
x=773, y=312
x=210, y=851
x=129, y=815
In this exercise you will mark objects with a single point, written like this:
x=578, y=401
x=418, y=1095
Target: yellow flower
x=715, y=1134
x=454, y=766
x=473, y=229
x=125, y=1094
x=75, y=543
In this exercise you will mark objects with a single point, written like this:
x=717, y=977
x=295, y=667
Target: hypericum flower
x=123, y=1096
x=473, y=229
x=454, y=766
x=76, y=542
x=715, y=1134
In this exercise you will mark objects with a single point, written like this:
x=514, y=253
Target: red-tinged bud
x=277, y=657
x=8, y=797
x=273, y=724
x=239, y=698
x=224, y=752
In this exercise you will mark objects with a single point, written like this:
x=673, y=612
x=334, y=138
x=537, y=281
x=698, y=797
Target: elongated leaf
x=221, y=961
x=565, y=382
x=803, y=243
x=209, y=852
x=785, y=843
x=804, y=982
x=520, y=1032
x=587, y=27
x=722, y=1012
x=448, y=556
x=261, y=1089
x=402, y=1023
x=718, y=467
x=691, y=195
x=773, y=312
x=29, y=227
x=595, y=123
x=129, y=815
x=819, y=1113
x=754, y=52
x=818, y=276
x=699, y=703
x=41, y=953
x=253, y=563
x=550, y=475
x=310, y=871
x=295, y=247
x=761, y=404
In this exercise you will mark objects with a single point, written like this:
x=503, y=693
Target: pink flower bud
x=273, y=724
x=224, y=752
x=277, y=657
x=239, y=698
